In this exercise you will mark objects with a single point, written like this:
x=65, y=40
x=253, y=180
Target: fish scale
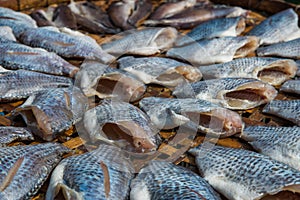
x=292, y=86
x=9, y=134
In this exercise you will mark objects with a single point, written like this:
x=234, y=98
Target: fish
x=164, y=180
x=26, y=168
x=18, y=56
x=280, y=143
x=232, y=93
x=291, y=86
x=162, y=71
x=53, y=111
x=64, y=44
x=41, y=18
x=210, y=118
x=64, y=17
x=220, y=27
x=6, y=33
x=192, y=17
x=121, y=124
x=242, y=174
x=274, y=71
x=9, y=134
x=145, y=42
x=286, y=109
x=96, y=79
x=288, y=49
x=142, y=10
x=17, y=27
x=282, y=26
x=216, y=50
x=9, y=14
x=104, y=173
x=19, y=84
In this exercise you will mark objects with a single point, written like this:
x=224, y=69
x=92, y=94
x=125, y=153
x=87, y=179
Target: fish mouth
x=249, y=47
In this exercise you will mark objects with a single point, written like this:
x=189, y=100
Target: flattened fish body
x=6, y=33
x=117, y=122
x=104, y=173
x=217, y=50
x=9, y=134
x=9, y=14
x=163, y=180
x=210, y=118
x=232, y=93
x=244, y=175
x=286, y=109
x=25, y=168
x=274, y=71
x=282, y=26
x=162, y=71
x=17, y=27
x=280, y=143
x=292, y=86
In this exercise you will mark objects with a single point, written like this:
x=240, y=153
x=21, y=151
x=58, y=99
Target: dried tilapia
x=282, y=26
x=217, y=50
x=18, y=56
x=163, y=180
x=64, y=17
x=291, y=86
x=286, y=109
x=162, y=71
x=17, y=27
x=103, y=81
x=41, y=18
x=9, y=14
x=274, y=71
x=24, y=169
x=220, y=27
x=64, y=44
x=6, y=33
x=51, y=112
x=104, y=173
x=241, y=174
x=280, y=143
x=147, y=41
x=122, y=124
x=210, y=118
x=232, y=93
x=9, y=134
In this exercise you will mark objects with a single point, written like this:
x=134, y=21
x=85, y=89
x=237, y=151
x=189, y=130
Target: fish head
x=251, y=43
x=190, y=73
x=164, y=38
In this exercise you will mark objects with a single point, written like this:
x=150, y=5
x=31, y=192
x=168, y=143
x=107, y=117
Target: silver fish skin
x=282, y=26
x=286, y=109
x=232, y=93
x=9, y=14
x=244, y=175
x=64, y=44
x=104, y=173
x=288, y=49
x=96, y=79
x=291, y=86
x=9, y=134
x=210, y=118
x=163, y=180
x=26, y=168
x=217, y=50
x=220, y=27
x=280, y=143
x=17, y=27
x=121, y=123
x=274, y=71
x=147, y=41
x=7, y=34
x=18, y=56
x=19, y=84
x=162, y=71
x=50, y=112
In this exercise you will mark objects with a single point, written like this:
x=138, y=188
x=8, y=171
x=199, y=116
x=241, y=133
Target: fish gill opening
x=246, y=49
x=237, y=98
x=274, y=75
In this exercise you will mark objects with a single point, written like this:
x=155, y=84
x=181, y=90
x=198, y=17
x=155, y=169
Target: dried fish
x=9, y=134
x=215, y=50
x=25, y=168
x=274, y=71
x=51, y=112
x=220, y=27
x=241, y=174
x=286, y=109
x=232, y=93
x=41, y=18
x=280, y=143
x=121, y=124
x=9, y=14
x=104, y=173
x=162, y=71
x=64, y=17
x=163, y=180
x=64, y=44
x=282, y=26
x=210, y=118
x=292, y=86
x=147, y=41
x=18, y=27
x=6, y=33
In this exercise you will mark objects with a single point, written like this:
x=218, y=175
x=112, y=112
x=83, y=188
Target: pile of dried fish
x=182, y=74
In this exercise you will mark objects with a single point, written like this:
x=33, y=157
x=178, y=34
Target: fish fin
x=56, y=182
x=106, y=179
x=63, y=44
